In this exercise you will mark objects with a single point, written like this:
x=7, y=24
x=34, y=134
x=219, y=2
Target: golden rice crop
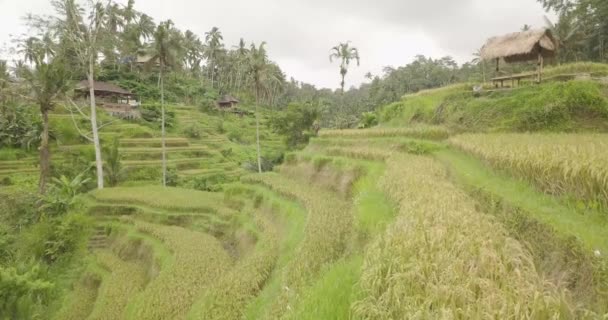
x=419, y=132
x=118, y=287
x=81, y=301
x=198, y=260
x=228, y=297
x=328, y=228
x=363, y=153
x=174, y=199
x=575, y=165
x=443, y=259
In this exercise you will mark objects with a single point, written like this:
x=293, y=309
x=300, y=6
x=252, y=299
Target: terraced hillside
x=365, y=224
x=209, y=148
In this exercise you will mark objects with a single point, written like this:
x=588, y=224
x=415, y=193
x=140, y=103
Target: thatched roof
x=103, y=87
x=146, y=58
x=228, y=99
x=520, y=46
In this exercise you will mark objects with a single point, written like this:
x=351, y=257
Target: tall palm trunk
x=212, y=71
x=45, y=152
x=257, y=129
x=162, y=106
x=96, y=143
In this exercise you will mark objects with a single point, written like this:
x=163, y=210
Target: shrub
x=212, y=183
x=62, y=194
x=235, y=135
x=22, y=292
x=19, y=127
x=193, y=131
x=152, y=113
x=368, y=120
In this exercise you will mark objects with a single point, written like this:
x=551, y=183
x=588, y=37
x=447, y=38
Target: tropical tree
x=82, y=34
x=478, y=60
x=241, y=56
x=193, y=51
x=213, y=46
x=113, y=165
x=345, y=53
x=258, y=75
x=164, y=51
x=47, y=81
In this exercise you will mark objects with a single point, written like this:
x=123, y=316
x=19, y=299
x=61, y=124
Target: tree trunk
x=212, y=72
x=96, y=143
x=342, y=84
x=162, y=106
x=45, y=152
x=257, y=129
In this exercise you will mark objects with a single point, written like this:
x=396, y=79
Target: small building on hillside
x=145, y=60
x=115, y=100
x=227, y=102
x=531, y=45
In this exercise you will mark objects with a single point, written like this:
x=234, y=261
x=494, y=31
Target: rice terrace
x=315, y=160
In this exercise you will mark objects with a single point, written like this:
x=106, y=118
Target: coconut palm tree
x=46, y=81
x=193, y=51
x=213, y=43
x=241, y=56
x=478, y=60
x=258, y=75
x=164, y=51
x=345, y=53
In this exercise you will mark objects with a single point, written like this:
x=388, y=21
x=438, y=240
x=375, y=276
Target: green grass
x=165, y=198
x=588, y=228
x=564, y=241
x=552, y=106
x=332, y=294
x=291, y=217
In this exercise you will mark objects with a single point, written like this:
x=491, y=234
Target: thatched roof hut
x=520, y=46
x=227, y=101
x=103, y=88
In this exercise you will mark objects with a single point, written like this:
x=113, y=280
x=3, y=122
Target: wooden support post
x=497, y=69
x=540, y=67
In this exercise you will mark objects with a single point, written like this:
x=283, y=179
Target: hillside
x=414, y=221
x=378, y=223
x=205, y=149
x=573, y=98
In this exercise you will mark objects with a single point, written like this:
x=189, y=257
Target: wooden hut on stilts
x=532, y=45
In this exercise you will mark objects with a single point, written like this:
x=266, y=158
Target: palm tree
x=345, y=53
x=478, y=60
x=164, y=52
x=241, y=56
x=193, y=48
x=258, y=75
x=47, y=81
x=213, y=41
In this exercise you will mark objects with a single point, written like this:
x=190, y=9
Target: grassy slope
x=580, y=105
x=589, y=228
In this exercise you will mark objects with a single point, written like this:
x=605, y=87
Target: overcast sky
x=300, y=33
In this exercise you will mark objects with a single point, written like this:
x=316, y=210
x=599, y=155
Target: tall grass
x=198, y=260
x=443, y=259
x=175, y=199
x=327, y=231
x=419, y=132
x=229, y=296
x=574, y=165
x=124, y=280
